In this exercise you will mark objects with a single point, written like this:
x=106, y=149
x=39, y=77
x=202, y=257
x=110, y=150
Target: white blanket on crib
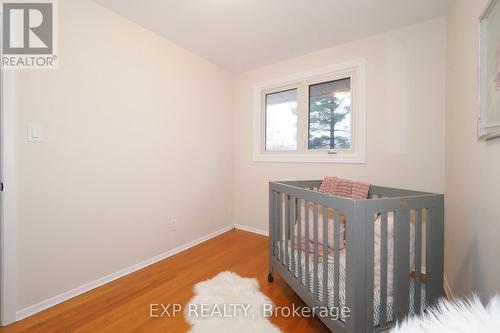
x=377, y=242
x=390, y=249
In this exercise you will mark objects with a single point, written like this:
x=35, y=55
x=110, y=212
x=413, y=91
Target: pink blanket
x=330, y=231
x=354, y=190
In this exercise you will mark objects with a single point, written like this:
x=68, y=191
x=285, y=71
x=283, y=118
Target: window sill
x=310, y=158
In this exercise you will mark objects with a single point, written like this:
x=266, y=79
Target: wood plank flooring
x=123, y=305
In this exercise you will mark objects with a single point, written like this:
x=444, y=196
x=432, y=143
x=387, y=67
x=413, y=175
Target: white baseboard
x=447, y=288
x=251, y=229
x=33, y=309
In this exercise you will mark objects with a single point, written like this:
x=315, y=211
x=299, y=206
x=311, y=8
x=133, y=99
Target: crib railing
x=308, y=271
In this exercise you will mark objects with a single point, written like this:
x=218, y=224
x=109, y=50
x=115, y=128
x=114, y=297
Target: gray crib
x=326, y=277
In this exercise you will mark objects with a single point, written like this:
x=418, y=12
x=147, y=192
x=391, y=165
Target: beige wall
x=136, y=133
x=405, y=112
x=472, y=168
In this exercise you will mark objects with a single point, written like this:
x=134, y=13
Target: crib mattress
x=342, y=282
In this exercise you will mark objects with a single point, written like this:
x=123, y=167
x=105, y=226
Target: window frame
x=356, y=71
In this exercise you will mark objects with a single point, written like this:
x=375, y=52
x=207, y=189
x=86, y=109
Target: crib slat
x=315, y=233
x=434, y=251
x=401, y=263
x=277, y=238
x=287, y=230
x=292, y=233
x=383, y=270
x=279, y=223
x=336, y=259
x=418, y=260
x=274, y=223
x=325, y=255
x=369, y=262
x=306, y=250
x=272, y=213
x=299, y=239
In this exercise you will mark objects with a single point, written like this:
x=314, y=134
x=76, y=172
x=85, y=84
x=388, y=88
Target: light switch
x=35, y=133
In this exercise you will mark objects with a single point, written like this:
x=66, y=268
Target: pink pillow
x=360, y=190
x=343, y=188
x=327, y=185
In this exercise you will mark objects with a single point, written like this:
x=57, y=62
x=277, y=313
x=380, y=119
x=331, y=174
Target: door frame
x=8, y=232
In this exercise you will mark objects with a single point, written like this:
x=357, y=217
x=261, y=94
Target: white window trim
x=356, y=68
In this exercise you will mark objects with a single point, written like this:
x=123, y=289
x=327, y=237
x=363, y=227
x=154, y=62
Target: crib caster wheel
x=270, y=277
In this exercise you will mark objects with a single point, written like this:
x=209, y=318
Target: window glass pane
x=330, y=115
x=281, y=120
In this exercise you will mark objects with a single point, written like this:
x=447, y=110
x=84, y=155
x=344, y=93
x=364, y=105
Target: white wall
x=405, y=111
x=472, y=229
x=136, y=133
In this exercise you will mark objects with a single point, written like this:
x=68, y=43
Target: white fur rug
x=456, y=317
x=228, y=303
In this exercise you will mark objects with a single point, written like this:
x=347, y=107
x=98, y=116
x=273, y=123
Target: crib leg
x=270, y=277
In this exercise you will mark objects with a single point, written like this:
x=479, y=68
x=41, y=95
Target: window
x=281, y=120
x=317, y=116
x=330, y=115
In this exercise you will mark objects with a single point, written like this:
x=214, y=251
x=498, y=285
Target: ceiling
x=245, y=34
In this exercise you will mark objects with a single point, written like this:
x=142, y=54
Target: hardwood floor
x=123, y=305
